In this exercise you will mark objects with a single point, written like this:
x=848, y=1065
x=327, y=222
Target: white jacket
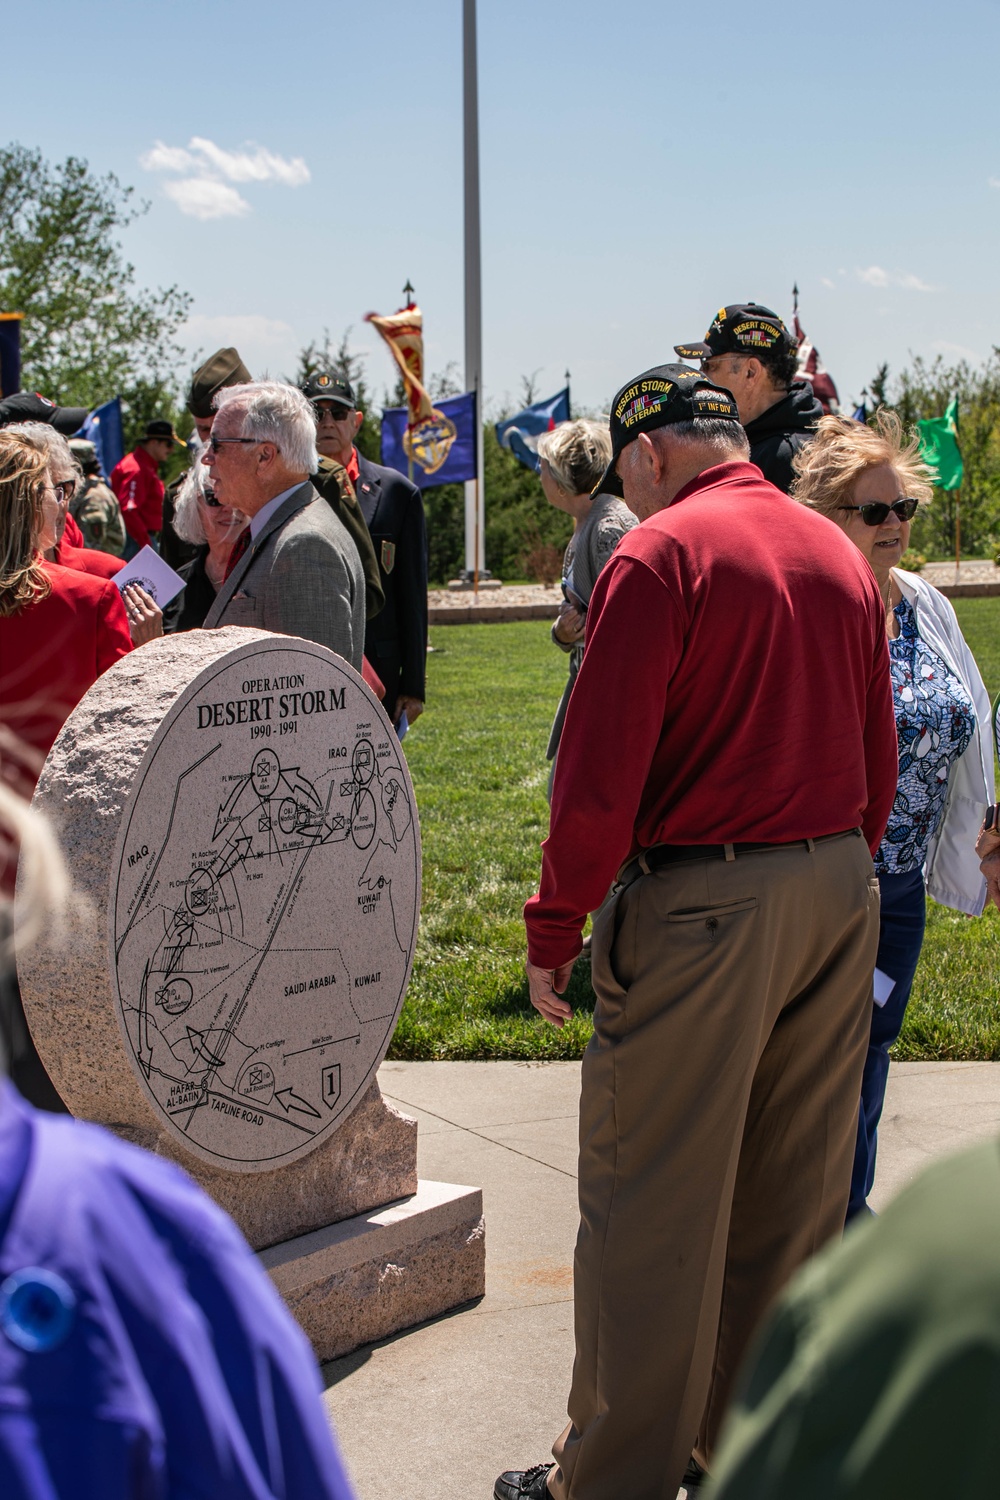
x=952, y=870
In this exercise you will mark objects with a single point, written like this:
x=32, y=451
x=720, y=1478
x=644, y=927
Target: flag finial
x=408, y=293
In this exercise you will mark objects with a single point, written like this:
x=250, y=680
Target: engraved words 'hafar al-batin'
x=265, y=913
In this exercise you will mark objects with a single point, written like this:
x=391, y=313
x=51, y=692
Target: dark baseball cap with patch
x=658, y=398
x=327, y=385
x=224, y=368
x=743, y=328
x=29, y=406
x=159, y=427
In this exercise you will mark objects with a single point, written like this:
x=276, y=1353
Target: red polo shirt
x=140, y=494
x=735, y=688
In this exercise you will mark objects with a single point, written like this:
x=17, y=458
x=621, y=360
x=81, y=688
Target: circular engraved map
x=264, y=904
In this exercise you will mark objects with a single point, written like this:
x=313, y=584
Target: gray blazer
x=301, y=576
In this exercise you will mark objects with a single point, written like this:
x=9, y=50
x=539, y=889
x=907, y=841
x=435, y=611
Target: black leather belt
x=682, y=854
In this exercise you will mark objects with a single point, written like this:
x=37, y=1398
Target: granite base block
x=367, y=1277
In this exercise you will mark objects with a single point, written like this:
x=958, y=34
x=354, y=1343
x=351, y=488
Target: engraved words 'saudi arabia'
x=265, y=898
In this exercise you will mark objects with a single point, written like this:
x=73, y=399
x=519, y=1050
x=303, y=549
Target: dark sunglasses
x=876, y=512
x=209, y=498
x=216, y=443
x=338, y=412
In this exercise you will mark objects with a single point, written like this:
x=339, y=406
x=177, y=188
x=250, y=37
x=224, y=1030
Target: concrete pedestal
x=377, y=1273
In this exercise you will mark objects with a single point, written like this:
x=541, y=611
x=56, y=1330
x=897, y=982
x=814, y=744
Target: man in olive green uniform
x=878, y=1375
x=334, y=484
x=95, y=507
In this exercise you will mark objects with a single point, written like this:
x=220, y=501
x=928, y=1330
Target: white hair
x=276, y=413
x=187, y=517
x=718, y=434
x=57, y=449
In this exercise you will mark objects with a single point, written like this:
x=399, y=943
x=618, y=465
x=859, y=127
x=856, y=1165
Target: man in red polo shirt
x=137, y=483
x=729, y=753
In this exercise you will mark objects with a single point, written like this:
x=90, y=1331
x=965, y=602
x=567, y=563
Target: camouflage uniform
x=98, y=515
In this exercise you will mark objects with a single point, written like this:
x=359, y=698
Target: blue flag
x=521, y=433
x=861, y=413
x=10, y=354
x=104, y=429
x=443, y=446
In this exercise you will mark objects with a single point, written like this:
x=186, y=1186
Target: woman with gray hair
x=204, y=522
x=574, y=457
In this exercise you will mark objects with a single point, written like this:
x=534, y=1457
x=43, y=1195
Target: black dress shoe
x=528, y=1484
x=694, y=1474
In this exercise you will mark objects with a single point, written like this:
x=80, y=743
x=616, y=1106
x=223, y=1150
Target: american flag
x=812, y=368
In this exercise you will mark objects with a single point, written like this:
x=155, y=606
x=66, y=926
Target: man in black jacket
x=749, y=351
x=396, y=639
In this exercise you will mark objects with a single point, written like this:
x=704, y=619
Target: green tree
x=320, y=354
x=89, y=333
x=924, y=390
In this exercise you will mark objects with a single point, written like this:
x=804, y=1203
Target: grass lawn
x=478, y=764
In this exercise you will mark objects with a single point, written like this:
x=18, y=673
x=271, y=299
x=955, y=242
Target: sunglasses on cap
x=876, y=512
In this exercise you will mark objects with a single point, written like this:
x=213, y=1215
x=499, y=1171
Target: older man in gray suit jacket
x=298, y=570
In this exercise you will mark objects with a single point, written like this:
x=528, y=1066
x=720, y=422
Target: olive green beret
x=224, y=368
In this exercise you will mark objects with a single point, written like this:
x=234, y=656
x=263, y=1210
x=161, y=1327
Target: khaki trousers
x=718, y=1119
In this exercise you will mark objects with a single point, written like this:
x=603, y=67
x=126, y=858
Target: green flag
x=939, y=447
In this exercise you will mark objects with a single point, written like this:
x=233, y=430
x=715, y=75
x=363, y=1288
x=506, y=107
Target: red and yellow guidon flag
x=403, y=332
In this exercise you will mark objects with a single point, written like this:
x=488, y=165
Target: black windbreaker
x=778, y=433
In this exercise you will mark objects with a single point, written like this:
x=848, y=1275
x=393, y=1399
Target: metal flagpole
x=475, y=508
x=408, y=294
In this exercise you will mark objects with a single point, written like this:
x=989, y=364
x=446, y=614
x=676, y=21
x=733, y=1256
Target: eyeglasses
x=209, y=498
x=216, y=443
x=338, y=412
x=876, y=511
x=64, y=491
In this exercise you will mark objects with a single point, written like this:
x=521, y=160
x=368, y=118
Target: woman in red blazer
x=59, y=628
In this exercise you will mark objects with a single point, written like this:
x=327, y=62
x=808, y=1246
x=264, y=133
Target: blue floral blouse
x=935, y=720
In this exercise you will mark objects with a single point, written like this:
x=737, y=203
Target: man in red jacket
x=727, y=763
x=137, y=483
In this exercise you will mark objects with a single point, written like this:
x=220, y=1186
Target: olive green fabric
x=338, y=491
x=879, y=1374
x=96, y=511
x=223, y=368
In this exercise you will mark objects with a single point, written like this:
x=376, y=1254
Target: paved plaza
x=442, y=1409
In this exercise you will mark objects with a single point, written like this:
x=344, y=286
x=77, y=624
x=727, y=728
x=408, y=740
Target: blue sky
x=641, y=165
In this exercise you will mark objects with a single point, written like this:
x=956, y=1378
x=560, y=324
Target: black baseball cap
x=29, y=406
x=327, y=385
x=160, y=428
x=741, y=329
x=658, y=398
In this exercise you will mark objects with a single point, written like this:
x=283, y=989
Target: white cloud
x=876, y=276
x=825, y=281
x=258, y=165
x=203, y=198
x=204, y=191
x=956, y=351
x=995, y=182
x=238, y=329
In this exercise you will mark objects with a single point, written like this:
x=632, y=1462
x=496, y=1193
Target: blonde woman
x=59, y=628
x=870, y=480
x=574, y=456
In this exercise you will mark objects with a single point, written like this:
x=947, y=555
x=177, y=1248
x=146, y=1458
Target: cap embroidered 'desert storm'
x=657, y=398
x=742, y=328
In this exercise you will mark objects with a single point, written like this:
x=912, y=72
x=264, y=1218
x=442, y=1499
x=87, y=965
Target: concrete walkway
x=442, y=1409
